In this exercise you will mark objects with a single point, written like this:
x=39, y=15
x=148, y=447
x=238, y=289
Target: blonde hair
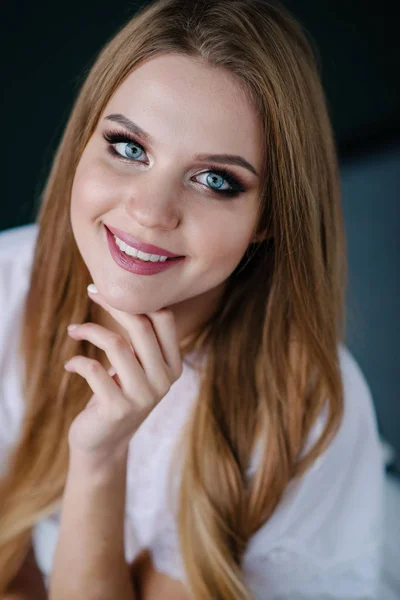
x=272, y=344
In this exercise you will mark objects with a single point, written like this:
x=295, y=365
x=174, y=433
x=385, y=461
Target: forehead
x=177, y=96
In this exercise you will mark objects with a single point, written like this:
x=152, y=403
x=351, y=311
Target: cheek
x=225, y=240
x=92, y=192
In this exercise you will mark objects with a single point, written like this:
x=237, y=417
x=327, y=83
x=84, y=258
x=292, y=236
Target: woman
x=210, y=436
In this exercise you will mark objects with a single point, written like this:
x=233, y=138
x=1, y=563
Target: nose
x=153, y=202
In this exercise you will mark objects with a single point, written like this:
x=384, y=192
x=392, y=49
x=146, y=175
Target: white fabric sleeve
x=16, y=251
x=324, y=540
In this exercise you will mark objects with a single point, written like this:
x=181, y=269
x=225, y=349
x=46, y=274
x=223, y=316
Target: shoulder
x=17, y=247
x=349, y=473
x=358, y=434
x=16, y=254
x=330, y=520
x=357, y=394
x=17, y=234
x=22, y=237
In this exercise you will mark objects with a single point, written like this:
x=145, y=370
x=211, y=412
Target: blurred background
x=47, y=51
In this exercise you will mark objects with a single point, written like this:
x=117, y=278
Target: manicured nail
x=92, y=288
x=72, y=326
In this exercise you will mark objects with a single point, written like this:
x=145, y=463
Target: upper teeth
x=137, y=253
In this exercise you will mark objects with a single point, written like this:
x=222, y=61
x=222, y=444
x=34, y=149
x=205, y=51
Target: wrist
x=102, y=465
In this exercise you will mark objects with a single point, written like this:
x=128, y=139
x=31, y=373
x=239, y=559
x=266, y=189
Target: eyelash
x=115, y=137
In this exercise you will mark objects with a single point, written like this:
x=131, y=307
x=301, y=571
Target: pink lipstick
x=135, y=265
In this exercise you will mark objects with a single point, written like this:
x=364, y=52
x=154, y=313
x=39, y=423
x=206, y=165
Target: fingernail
x=72, y=326
x=91, y=288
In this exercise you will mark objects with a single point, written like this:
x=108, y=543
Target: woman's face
x=156, y=188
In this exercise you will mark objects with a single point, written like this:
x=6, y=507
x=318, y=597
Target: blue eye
x=116, y=138
x=133, y=151
x=218, y=183
x=214, y=179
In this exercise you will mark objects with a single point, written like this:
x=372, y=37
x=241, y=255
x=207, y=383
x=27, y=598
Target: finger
x=114, y=376
x=154, y=373
x=164, y=325
x=128, y=322
x=100, y=382
x=146, y=345
x=133, y=380
x=167, y=346
x=119, y=315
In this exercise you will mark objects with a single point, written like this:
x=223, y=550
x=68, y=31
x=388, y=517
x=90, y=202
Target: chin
x=129, y=302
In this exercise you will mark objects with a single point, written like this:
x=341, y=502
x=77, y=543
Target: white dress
x=322, y=542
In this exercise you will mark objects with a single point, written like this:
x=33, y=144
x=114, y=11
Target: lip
x=129, y=263
x=148, y=248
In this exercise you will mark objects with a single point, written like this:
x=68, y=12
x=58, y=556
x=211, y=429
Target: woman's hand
x=145, y=371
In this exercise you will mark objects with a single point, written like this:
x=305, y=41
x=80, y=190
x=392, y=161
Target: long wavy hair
x=272, y=345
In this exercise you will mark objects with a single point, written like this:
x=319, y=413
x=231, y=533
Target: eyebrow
x=231, y=159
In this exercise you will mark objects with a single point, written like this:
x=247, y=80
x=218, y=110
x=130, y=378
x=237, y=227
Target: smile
x=132, y=261
x=137, y=253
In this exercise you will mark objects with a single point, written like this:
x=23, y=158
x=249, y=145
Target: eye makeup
x=116, y=137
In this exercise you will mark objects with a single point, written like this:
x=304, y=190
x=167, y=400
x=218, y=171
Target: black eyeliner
x=116, y=137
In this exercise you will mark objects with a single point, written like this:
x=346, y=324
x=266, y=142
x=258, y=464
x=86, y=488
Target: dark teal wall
x=371, y=202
